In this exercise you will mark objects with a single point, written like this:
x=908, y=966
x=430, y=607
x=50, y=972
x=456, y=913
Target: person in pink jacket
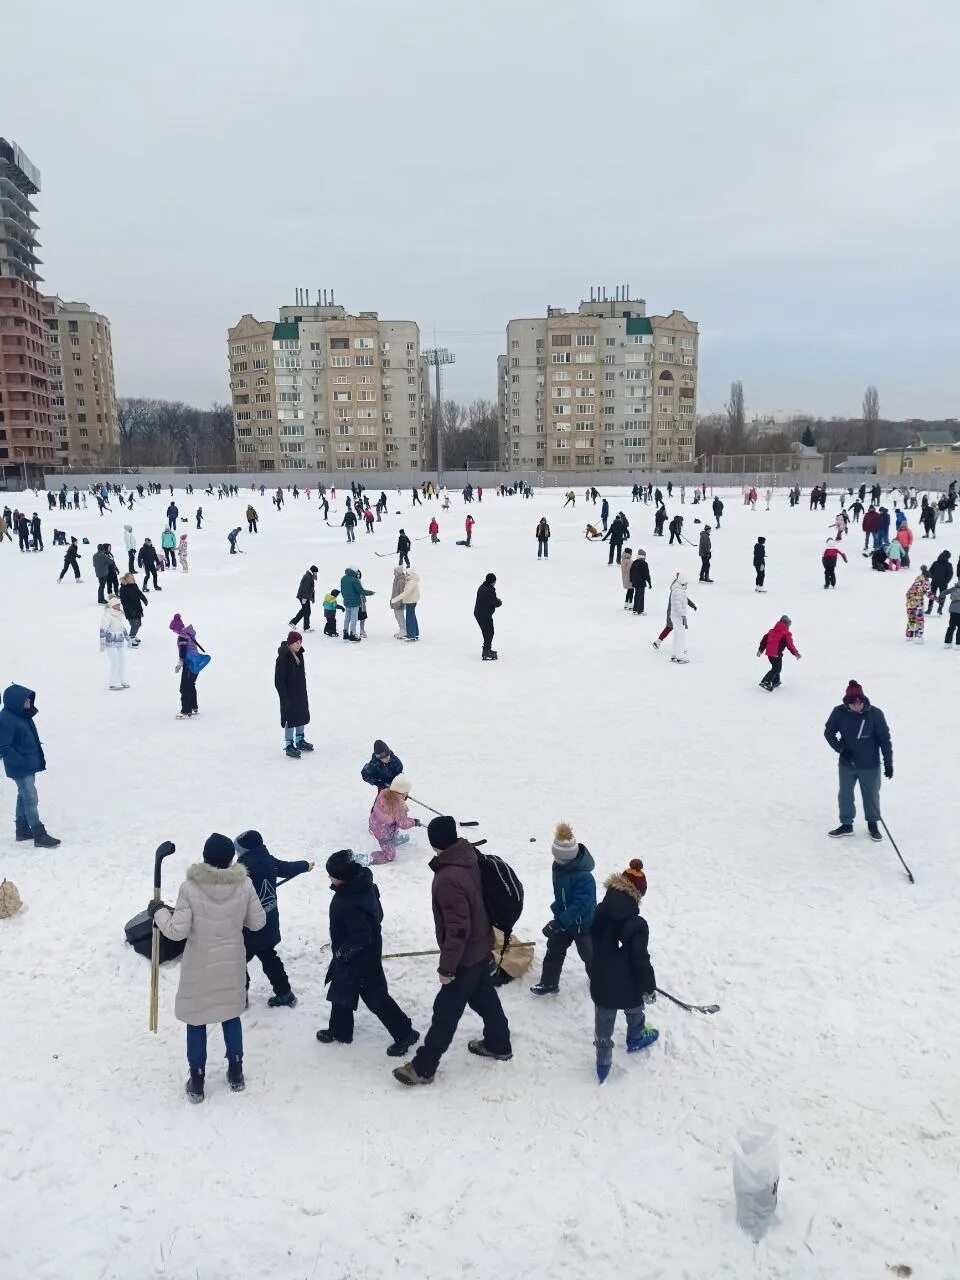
x=389, y=819
x=905, y=538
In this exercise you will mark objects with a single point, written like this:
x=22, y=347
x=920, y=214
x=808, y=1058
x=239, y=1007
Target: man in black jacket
x=639, y=580
x=858, y=733
x=616, y=534
x=941, y=572
x=760, y=563
x=264, y=870
x=483, y=610
x=676, y=530
x=70, y=561
x=306, y=594
x=148, y=560
x=403, y=548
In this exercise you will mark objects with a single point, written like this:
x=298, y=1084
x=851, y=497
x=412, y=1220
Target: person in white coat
x=678, y=617
x=215, y=904
x=114, y=638
x=408, y=598
x=399, y=612
x=130, y=543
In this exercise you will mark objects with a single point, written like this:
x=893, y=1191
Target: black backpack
x=502, y=892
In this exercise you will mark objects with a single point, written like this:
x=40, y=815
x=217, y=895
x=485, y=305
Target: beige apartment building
x=322, y=390
x=603, y=386
x=83, y=397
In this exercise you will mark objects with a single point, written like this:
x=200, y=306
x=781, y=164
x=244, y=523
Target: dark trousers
x=251, y=526
x=829, y=573
x=404, y=559
x=615, y=550
x=638, y=595
x=169, y=557
x=272, y=967
x=473, y=986
x=136, y=623
x=131, y=558
x=704, y=568
x=147, y=575
x=70, y=564
x=188, y=690
x=305, y=607
x=674, y=537
x=772, y=678
x=953, y=630
x=629, y=596
x=101, y=589
x=486, y=630
x=197, y=1043
x=330, y=623
x=558, y=944
x=761, y=574
x=374, y=994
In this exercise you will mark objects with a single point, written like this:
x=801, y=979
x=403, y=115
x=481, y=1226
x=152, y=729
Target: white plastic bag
x=756, y=1175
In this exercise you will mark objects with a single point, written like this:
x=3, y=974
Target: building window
x=688, y=344
x=342, y=396
x=340, y=362
x=586, y=340
x=561, y=357
x=364, y=344
x=514, y=345
x=339, y=344
x=561, y=340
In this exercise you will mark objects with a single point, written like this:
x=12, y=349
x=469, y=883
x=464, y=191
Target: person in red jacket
x=905, y=538
x=829, y=562
x=773, y=644
x=434, y=529
x=871, y=522
x=468, y=525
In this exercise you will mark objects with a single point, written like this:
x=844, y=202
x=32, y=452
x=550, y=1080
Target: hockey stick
x=163, y=851
x=690, y=1008
x=897, y=851
x=406, y=955
x=439, y=814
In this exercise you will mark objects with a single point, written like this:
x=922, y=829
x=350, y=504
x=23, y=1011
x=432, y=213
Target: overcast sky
x=785, y=173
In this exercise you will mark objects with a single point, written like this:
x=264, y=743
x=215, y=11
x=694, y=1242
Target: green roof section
x=936, y=437
x=638, y=324
x=286, y=329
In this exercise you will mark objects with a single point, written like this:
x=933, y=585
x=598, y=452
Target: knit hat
x=442, y=833
x=636, y=875
x=854, y=693
x=247, y=841
x=114, y=603
x=293, y=637
x=784, y=618
x=341, y=865
x=490, y=579
x=176, y=623
x=761, y=538
x=641, y=552
x=565, y=847
x=218, y=850
x=314, y=569
x=401, y=783
x=380, y=748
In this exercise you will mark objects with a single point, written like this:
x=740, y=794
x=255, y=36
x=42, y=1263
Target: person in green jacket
x=352, y=593
x=168, y=541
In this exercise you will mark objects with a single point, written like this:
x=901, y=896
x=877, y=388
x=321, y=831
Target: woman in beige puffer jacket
x=407, y=599
x=215, y=904
x=626, y=560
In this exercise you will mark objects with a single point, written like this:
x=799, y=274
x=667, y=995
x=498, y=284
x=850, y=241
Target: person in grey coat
x=215, y=904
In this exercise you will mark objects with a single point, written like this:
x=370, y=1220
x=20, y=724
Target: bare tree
x=871, y=416
x=736, y=418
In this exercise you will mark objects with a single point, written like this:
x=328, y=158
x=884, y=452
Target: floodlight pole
x=438, y=356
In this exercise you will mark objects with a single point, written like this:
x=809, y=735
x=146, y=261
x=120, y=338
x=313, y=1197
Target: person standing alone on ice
x=829, y=562
x=772, y=645
x=113, y=639
x=465, y=938
x=187, y=647
x=760, y=563
x=678, y=619
x=215, y=904
x=23, y=759
x=575, y=900
x=306, y=594
x=543, y=539
x=916, y=594
x=621, y=975
x=290, y=682
x=859, y=734
x=705, y=551
x=483, y=610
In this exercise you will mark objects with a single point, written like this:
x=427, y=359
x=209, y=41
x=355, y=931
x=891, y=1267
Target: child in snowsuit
x=330, y=607
x=264, y=870
x=356, y=968
x=389, y=819
x=773, y=644
x=575, y=900
x=183, y=553
x=621, y=975
x=916, y=594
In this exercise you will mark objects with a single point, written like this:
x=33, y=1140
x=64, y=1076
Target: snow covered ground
x=837, y=979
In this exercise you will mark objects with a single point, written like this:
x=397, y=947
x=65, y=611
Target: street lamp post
x=437, y=356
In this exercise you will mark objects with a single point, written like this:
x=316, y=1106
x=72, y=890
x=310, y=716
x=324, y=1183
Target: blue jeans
x=410, y=614
x=197, y=1043
x=543, y=548
x=351, y=535
x=27, y=801
x=293, y=733
x=603, y=1022
x=350, y=615
x=869, y=780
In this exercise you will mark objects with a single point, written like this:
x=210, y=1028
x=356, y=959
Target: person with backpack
x=356, y=967
x=216, y=903
x=829, y=562
x=187, y=649
x=543, y=539
x=264, y=871
x=574, y=902
x=306, y=594
x=773, y=645
x=760, y=563
x=465, y=937
x=639, y=581
x=621, y=975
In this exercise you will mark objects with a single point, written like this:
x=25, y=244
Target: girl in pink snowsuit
x=388, y=818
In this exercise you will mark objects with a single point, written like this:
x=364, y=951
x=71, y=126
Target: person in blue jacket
x=23, y=759
x=858, y=732
x=575, y=900
x=382, y=767
x=264, y=870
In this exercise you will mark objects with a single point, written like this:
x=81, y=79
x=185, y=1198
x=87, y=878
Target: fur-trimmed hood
x=623, y=885
x=202, y=874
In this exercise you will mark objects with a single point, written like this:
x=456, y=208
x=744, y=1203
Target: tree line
x=170, y=433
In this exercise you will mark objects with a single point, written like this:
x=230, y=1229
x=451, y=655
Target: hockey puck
x=533, y=839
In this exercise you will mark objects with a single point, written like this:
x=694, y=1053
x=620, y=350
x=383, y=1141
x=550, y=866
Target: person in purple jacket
x=186, y=645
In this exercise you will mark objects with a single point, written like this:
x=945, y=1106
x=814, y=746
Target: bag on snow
x=756, y=1176
x=10, y=900
x=508, y=962
x=139, y=933
x=195, y=662
x=502, y=893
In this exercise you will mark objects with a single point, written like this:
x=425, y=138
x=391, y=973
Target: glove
x=650, y=998
x=154, y=907
x=417, y=822
x=550, y=928
x=888, y=772
x=177, y=668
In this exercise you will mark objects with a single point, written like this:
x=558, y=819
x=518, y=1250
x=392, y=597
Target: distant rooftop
x=16, y=165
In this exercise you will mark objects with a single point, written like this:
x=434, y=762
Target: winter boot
x=326, y=1036
x=42, y=840
x=407, y=1074
x=287, y=1001
x=194, y=1086
x=235, y=1075
x=650, y=1034
x=844, y=829
x=291, y=751
x=874, y=831
x=603, y=1070
x=304, y=745
x=23, y=831
x=481, y=1050
x=544, y=989
x=656, y=644
x=400, y=1046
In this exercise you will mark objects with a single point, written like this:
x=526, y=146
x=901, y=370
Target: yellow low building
x=933, y=452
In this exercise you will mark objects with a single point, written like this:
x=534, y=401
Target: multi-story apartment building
x=26, y=436
x=83, y=398
x=323, y=390
x=603, y=386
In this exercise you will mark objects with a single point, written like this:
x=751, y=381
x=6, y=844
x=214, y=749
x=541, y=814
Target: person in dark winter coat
x=23, y=759
x=639, y=580
x=760, y=563
x=382, y=767
x=290, y=682
x=483, y=610
x=621, y=975
x=676, y=530
x=101, y=567
x=403, y=549
x=356, y=968
x=717, y=510
x=705, y=550
x=604, y=513
x=772, y=645
x=306, y=594
x=71, y=561
x=543, y=539
x=349, y=521
x=941, y=574
x=859, y=734
x=148, y=560
x=615, y=535
x=264, y=870
x=575, y=899
x=465, y=938
x=659, y=520
x=134, y=602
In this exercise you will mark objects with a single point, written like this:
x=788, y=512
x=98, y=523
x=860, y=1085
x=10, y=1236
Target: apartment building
x=26, y=436
x=83, y=398
x=603, y=386
x=322, y=390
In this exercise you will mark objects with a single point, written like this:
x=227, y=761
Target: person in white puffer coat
x=408, y=599
x=678, y=617
x=130, y=543
x=114, y=638
x=215, y=904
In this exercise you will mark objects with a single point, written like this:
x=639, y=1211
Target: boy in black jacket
x=760, y=563
x=264, y=869
x=356, y=970
x=621, y=975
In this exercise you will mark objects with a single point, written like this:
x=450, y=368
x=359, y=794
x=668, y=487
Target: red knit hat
x=293, y=637
x=854, y=693
x=636, y=875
